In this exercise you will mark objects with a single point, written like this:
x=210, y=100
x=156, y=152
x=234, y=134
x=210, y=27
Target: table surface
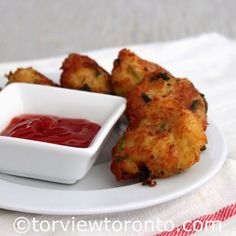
x=37, y=29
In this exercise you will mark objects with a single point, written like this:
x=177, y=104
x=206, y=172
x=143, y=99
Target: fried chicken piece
x=29, y=75
x=159, y=85
x=83, y=73
x=129, y=70
x=166, y=142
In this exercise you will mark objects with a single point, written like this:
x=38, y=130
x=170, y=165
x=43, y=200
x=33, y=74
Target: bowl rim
x=98, y=138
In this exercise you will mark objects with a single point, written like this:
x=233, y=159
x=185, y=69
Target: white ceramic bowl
x=47, y=161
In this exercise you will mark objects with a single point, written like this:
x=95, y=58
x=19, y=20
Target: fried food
x=83, y=73
x=159, y=85
x=167, y=121
x=167, y=115
x=166, y=142
x=129, y=70
x=29, y=75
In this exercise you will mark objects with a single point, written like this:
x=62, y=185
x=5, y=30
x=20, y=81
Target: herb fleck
x=97, y=73
x=122, y=143
x=164, y=76
x=146, y=98
x=194, y=105
x=158, y=76
x=205, y=101
x=164, y=126
x=121, y=158
x=85, y=87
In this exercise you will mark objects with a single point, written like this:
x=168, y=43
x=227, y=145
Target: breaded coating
x=28, y=75
x=83, y=73
x=129, y=70
x=167, y=142
x=167, y=121
x=159, y=85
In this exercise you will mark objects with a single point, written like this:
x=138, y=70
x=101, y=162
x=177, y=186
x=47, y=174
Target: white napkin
x=210, y=62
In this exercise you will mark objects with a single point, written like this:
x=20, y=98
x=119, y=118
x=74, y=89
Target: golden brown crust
x=158, y=85
x=166, y=142
x=151, y=88
x=167, y=120
x=83, y=73
x=28, y=75
x=129, y=70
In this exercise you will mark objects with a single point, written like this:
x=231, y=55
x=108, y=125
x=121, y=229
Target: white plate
x=99, y=192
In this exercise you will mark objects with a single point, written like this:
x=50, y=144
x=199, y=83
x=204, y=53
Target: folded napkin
x=209, y=60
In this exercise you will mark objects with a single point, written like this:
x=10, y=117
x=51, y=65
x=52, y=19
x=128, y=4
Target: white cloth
x=210, y=62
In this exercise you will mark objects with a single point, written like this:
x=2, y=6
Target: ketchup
x=52, y=129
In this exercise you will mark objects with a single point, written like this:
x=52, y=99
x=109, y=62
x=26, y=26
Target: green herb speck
x=194, y=105
x=164, y=76
x=146, y=98
x=97, y=73
x=164, y=127
x=121, y=158
x=158, y=76
x=205, y=102
x=122, y=143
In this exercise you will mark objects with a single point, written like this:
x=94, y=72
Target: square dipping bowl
x=52, y=162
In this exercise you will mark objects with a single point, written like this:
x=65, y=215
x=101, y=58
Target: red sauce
x=51, y=129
